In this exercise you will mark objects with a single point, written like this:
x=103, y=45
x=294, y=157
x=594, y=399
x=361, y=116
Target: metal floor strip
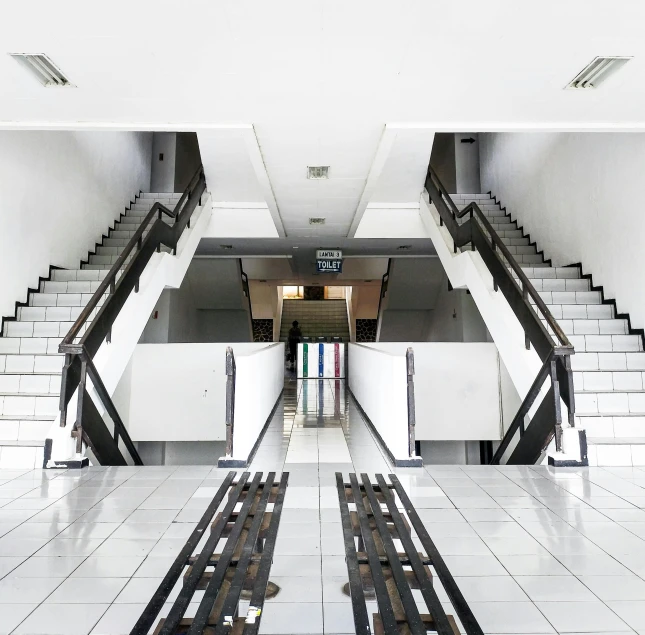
x=375, y=531
x=243, y=566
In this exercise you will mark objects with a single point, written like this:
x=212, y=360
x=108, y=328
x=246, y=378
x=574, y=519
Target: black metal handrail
x=384, y=283
x=247, y=292
x=553, y=348
x=465, y=233
x=80, y=347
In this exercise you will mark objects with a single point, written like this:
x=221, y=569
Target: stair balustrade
x=88, y=333
x=471, y=227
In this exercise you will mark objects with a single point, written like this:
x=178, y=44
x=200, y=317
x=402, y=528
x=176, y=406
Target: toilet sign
x=329, y=261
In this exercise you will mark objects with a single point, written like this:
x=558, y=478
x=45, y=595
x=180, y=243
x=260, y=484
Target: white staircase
x=609, y=364
x=30, y=365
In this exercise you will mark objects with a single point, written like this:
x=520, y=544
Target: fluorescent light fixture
x=597, y=72
x=318, y=172
x=42, y=69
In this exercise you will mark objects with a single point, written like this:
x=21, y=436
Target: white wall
x=578, y=195
x=59, y=193
x=209, y=306
x=378, y=380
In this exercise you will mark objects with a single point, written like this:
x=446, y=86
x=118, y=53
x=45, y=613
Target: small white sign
x=329, y=254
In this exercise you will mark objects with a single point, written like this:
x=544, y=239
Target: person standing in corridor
x=295, y=335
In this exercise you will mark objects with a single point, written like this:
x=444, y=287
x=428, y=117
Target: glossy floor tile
x=533, y=549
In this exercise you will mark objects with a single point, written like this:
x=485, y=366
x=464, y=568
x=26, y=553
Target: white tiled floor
x=534, y=550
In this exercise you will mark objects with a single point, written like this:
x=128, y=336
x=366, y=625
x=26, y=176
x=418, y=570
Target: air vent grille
x=318, y=172
x=316, y=221
x=42, y=68
x=598, y=71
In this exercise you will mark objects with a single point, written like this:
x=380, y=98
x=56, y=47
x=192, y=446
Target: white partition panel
x=259, y=383
x=378, y=380
x=458, y=389
x=177, y=392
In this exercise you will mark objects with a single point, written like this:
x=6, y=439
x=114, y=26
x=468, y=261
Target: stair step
x=551, y=272
x=593, y=327
x=29, y=345
x=24, y=431
x=615, y=361
x=54, y=313
x=70, y=286
x=34, y=364
x=37, y=329
x=610, y=403
x=29, y=384
x=63, y=275
x=60, y=300
x=603, y=381
x=606, y=343
x=32, y=405
x=569, y=297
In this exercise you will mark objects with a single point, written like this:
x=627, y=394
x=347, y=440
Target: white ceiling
x=318, y=82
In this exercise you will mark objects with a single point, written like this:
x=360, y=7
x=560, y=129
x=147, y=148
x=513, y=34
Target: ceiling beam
x=257, y=160
x=382, y=153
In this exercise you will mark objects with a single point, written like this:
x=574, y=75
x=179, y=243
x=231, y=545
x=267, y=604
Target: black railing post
x=230, y=399
x=525, y=296
x=412, y=418
x=82, y=395
x=557, y=404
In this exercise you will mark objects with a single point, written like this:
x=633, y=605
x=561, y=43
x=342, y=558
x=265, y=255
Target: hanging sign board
x=329, y=254
x=329, y=266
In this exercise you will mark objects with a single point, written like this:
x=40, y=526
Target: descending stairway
x=317, y=318
x=30, y=365
x=609, y=364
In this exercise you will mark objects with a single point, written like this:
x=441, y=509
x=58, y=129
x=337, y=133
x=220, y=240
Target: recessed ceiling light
x=598, y=71
x=42, y=69
x=317, y=221
x=318, y=172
